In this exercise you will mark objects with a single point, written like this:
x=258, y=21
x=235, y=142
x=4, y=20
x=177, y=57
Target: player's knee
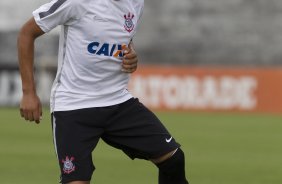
x=172, y=170
x=79, y=182
x=173, y=165
x=177, y=158
x=163, y=157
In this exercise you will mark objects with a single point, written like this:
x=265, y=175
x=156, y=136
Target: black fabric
x=128, y=126
x=172, y=170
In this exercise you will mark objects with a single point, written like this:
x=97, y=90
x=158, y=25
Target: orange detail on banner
x=209, y=89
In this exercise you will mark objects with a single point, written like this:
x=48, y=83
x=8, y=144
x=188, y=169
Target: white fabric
x=89, y=74
x=54, y=135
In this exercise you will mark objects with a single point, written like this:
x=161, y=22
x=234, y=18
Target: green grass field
x=220, y=149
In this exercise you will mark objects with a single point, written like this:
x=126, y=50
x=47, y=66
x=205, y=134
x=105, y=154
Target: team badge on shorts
x=69, y=167
x=128, y=24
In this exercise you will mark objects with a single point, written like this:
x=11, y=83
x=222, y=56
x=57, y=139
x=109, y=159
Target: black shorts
x=128, y=126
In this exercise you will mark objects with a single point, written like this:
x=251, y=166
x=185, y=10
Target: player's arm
x=30, y=105
x=130, y=60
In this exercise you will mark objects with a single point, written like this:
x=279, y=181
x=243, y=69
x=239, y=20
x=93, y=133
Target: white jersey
x=90, y=51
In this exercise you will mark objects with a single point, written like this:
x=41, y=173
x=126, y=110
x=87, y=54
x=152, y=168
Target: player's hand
x=31, y=108
x=130, y=59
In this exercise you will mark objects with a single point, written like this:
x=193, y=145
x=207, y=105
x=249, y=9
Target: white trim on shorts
x=54, y=135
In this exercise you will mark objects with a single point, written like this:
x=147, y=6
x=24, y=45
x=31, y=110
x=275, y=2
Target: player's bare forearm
x=30, y=106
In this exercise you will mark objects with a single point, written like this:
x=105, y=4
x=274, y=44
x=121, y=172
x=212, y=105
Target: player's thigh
x=138, y=132
x=75, y=137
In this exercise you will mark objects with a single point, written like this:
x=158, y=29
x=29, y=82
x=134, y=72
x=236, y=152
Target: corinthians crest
x=68, y=165
x=128, y=24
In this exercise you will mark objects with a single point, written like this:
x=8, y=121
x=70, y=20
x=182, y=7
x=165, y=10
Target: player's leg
x=75, y=137
x=163, y=157
x=79, y=182
x=140, y=134
x=171, y=167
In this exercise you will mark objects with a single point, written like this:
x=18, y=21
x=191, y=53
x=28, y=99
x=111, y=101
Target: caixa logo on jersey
x=106, y=49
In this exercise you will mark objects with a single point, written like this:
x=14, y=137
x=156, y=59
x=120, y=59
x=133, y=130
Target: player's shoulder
x=138, y=2
x=79, y=5
x=74, y=2
x=81, y=2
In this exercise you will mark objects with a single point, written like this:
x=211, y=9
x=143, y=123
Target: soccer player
x=89, y=97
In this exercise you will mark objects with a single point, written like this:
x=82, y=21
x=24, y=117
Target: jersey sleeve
x=58, y=12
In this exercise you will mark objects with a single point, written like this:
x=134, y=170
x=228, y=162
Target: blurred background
x=210, y=69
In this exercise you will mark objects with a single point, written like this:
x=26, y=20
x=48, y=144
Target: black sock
x=172, y=170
